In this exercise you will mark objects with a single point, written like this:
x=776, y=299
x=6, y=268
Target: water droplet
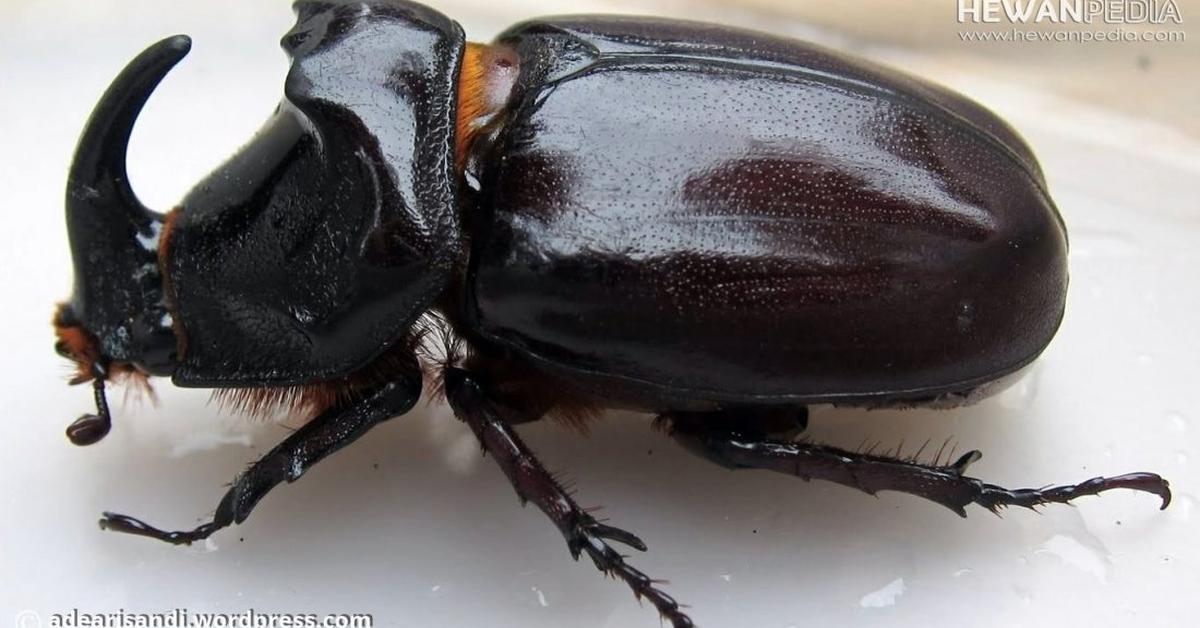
x=885, y=596
x=1181, y=457
x=541, y=597
x=460, y=453
x=1182, y=507
x=1076, y=554
x=1089, y=245
x=1145, y=359
x=202, y=441
x=1021, y=394
x=726, y=577
x=963, y=572
x=1177, y=421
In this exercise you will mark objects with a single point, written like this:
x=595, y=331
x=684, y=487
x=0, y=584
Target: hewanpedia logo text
x=1069, y=11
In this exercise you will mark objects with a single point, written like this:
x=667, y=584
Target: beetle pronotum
x=715, y=226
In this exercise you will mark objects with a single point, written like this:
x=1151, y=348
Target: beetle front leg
x=944, y=484
x=320, y=437
x=533, y=483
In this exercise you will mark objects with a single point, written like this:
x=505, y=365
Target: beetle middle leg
x=533, y=483
x=943, y=484
x=320, y=437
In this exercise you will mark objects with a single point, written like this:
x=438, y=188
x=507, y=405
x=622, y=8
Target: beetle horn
x=98, y=188
x=118, y=297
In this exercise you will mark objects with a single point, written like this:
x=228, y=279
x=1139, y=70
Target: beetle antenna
x=90, y=428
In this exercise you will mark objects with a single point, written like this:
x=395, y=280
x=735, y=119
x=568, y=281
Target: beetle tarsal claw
x=130, y=525
x=994, y=497
x=1145, y=482
x=615, y=534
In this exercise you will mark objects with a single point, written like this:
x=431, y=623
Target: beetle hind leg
x=534, y=484
x=943, y=484
x=304, y=448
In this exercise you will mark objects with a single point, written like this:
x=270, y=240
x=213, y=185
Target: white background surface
x=411, y=525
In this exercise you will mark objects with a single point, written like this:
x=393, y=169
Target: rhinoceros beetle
x=716, y=226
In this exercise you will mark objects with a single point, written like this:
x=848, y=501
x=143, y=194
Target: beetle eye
x=61, y=348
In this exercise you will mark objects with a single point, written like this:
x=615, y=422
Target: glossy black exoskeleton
x=716, y=226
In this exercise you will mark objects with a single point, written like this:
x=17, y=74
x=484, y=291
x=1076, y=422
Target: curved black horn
x=118, y=294
x=98, y=179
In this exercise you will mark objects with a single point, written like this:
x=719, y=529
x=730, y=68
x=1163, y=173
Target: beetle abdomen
x=736, y=224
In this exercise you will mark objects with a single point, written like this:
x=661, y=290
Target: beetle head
x=116, y=322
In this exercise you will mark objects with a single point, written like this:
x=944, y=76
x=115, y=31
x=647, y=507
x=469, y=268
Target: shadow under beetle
x=717, y=226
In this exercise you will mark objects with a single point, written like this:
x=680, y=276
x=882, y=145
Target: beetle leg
x=533, y=483
x=320, y=437
x=945, y=485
